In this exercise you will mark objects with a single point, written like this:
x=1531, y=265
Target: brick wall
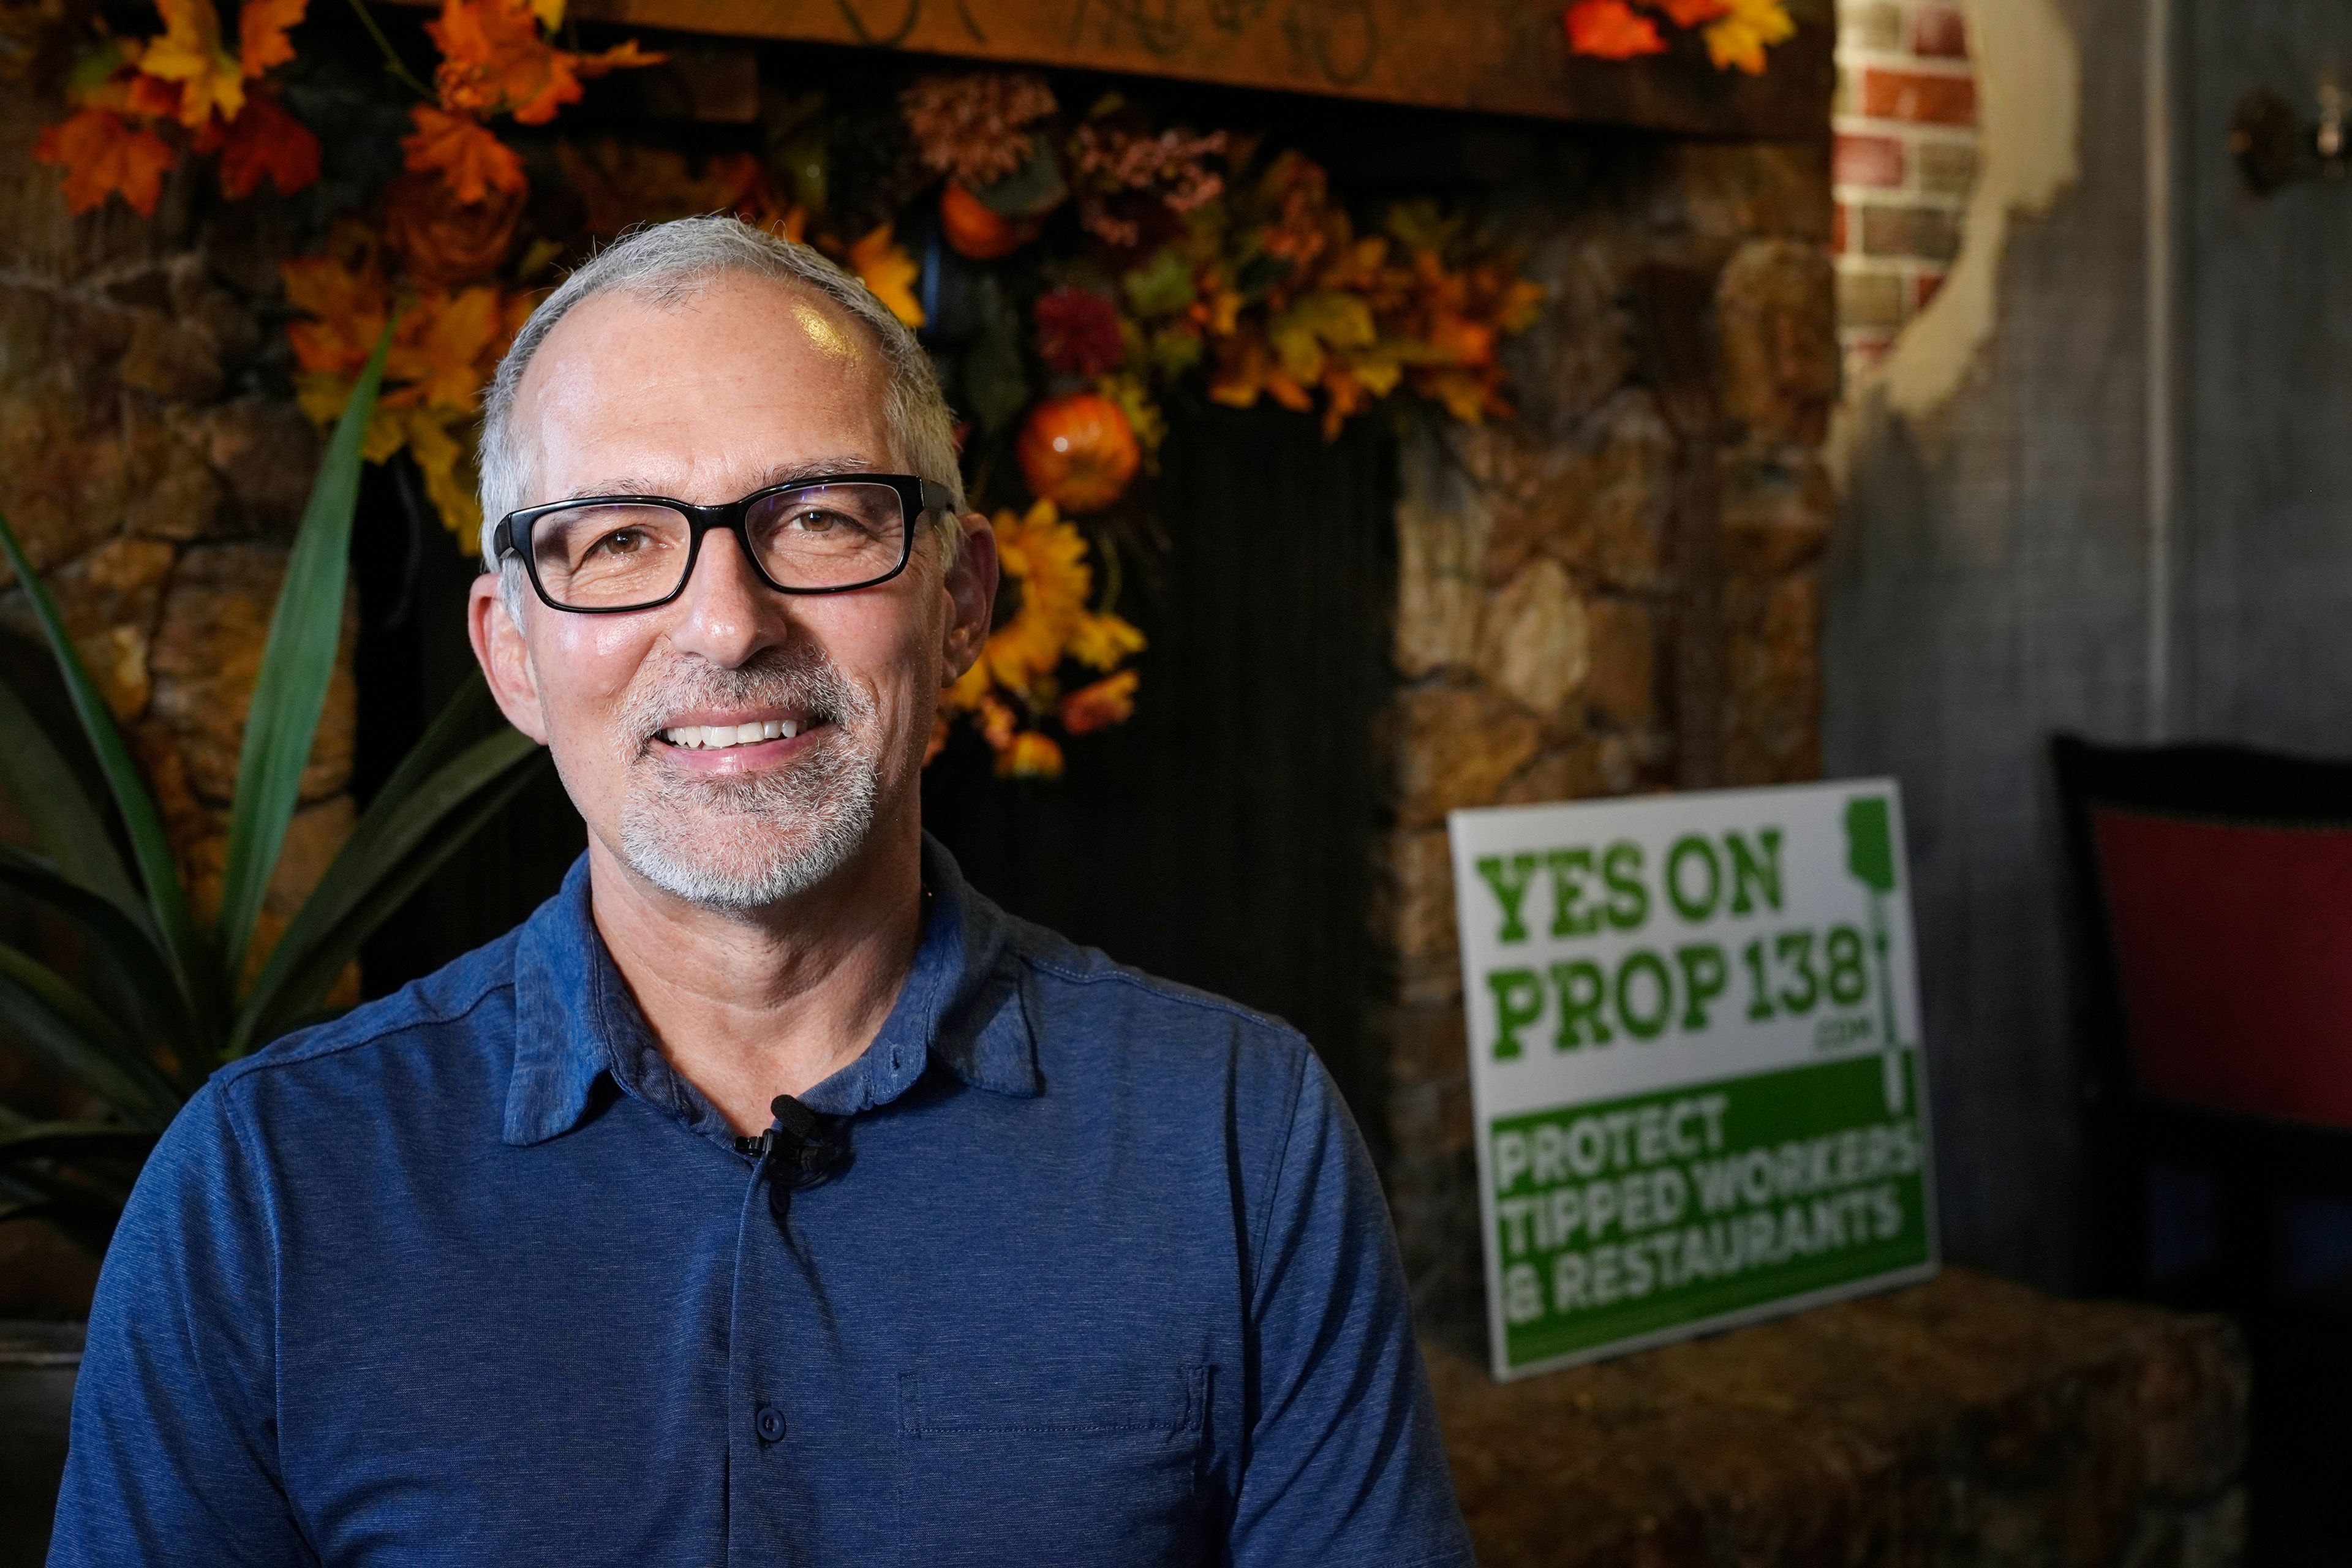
x=1906, y=119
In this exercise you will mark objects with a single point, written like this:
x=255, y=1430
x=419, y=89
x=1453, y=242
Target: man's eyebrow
x=776, y=474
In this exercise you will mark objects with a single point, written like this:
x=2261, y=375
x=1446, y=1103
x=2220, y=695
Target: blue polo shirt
x=471, y=1277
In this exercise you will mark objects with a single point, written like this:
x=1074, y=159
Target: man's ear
x=504, y=657
x=971, y=595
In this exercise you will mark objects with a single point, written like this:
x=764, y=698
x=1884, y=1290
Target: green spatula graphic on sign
x=1870, y=858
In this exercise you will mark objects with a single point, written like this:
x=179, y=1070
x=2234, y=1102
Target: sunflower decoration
x=1047, y=621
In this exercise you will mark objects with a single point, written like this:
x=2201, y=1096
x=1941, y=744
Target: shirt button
x=769, y=1424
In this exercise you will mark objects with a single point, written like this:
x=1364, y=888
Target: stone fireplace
x=1615, y=592
x=1611, y=592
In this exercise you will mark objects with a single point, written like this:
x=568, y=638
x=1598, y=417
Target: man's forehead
x=765, y=380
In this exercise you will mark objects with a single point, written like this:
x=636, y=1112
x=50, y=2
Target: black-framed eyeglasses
x=607, y=554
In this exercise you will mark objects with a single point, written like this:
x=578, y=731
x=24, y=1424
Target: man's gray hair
x=670, y=263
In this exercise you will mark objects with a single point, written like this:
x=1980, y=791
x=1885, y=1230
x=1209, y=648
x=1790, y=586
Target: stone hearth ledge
x=1968, y=1420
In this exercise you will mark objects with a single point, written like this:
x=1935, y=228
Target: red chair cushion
x=2234, y=947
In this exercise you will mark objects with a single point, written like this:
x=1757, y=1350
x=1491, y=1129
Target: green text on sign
x=1618, y=1219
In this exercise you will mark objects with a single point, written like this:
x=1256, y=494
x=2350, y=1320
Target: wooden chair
x=2214, y=898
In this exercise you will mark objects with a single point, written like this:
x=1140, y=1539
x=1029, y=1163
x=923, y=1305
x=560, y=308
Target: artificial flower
x=1030, y=756
x=971, y=127
x=1045, y=558
x=1080, y=333
x=1101, y=641
x=1108, y=701
x=441, y=240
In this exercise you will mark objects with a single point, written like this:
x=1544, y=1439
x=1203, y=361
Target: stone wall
x=155, y=471
x=1614, y=592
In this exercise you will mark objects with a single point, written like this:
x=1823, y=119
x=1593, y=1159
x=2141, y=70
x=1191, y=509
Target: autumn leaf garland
x=1737, y=32
x=1179, y=256
x=141, y=104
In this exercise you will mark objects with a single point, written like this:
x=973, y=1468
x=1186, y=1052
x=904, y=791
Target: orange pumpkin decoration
x=974, y=228
x=1078, y=451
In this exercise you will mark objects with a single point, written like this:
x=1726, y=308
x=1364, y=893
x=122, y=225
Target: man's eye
x=815, y=519
x=620, y=541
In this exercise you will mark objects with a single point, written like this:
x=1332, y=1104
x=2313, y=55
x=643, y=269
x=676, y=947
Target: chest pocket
x=1073, y=1462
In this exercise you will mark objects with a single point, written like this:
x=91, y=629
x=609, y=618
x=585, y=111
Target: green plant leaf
x=42, y=1011
x=397, y=845
x=123, y=946
x=470, y=715
x=465, y=722
x=297, y=664
x=50, y=796
x=149, y=849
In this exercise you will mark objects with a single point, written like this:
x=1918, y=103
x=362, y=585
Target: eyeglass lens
x=609, y=554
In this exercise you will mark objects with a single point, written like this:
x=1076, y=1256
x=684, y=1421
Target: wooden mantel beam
x=1505, y=56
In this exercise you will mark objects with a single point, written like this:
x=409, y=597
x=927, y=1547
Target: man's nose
x=727, y=613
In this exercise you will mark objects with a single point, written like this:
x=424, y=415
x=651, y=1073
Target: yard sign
x=1694, y=1063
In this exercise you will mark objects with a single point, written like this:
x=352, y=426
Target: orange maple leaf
x=104, y=156
x=448, y=343
x=261, y=29
x=189, y=53
x=344, y=290
x=470, y=161
x=495, y=60
x=264, y=142
x=150, y=97
x=1610, y=30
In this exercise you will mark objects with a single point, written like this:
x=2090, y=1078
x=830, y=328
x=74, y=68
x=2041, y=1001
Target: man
x=768, y=1197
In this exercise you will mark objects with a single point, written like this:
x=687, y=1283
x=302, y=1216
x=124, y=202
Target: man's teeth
x=714, y=737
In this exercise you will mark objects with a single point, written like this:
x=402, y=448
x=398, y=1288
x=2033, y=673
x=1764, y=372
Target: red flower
x=1610, y=30
x=1078, y=332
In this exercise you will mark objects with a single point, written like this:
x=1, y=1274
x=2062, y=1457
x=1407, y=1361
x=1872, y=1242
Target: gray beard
x=745, y=843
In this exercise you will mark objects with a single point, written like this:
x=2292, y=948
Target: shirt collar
x=576, y=1023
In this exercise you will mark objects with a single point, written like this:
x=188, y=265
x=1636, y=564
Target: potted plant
x=162, y=998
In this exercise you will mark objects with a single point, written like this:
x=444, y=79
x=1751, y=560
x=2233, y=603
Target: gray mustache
x=799, y=677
